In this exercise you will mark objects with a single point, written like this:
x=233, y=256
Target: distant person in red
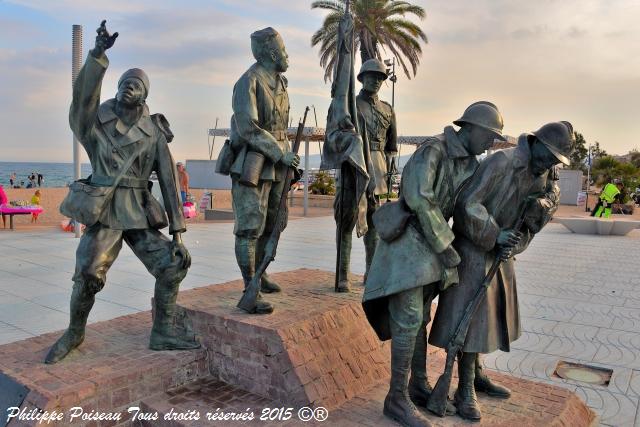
x=3, y=201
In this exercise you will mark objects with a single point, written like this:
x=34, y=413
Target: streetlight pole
x=586, y=202
x=76, y=64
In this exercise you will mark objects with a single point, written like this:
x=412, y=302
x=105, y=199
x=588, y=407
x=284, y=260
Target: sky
x=542, y=61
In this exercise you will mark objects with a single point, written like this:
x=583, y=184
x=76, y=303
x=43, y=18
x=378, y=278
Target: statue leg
x=465, y=398
x=419, y=387
x=405, y=310
x=483, y=384
x=345, y=213
x=98, y=248
x=267, y=285
x=246, y=258
x=251, y=206
x=370, y=240
x=275, y=189
x=154, y=250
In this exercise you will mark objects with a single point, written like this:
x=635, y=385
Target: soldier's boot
x=398, y=404
x=246, y=257
x=419, y=387
x=164, y=334
x=267, y=285
x=82, y=299
x=344, y=284
x=370, y=242
x=465, y=398
x=483, y=384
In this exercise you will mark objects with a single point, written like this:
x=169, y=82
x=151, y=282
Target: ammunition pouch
x=225, y=159
x=252, y=168
x=390, y=220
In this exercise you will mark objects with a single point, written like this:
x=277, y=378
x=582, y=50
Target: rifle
x=250, y=296
x=438, y=401
x=390, y=172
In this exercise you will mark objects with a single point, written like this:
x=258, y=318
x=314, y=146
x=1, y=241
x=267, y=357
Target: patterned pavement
x=579, y=297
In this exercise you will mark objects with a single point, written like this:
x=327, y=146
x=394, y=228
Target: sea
x=55, y=174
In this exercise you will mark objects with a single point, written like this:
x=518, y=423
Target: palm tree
x=378, y=23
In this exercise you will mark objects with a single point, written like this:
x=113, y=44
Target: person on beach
x=3, y=201
x=183, y=178
x=35, y=201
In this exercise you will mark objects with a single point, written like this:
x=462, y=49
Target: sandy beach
x=51, y=198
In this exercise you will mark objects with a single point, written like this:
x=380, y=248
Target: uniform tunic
x=380, y=124
x=491, y=202
x=430, y=182
x=109, y=143
x=259, y=123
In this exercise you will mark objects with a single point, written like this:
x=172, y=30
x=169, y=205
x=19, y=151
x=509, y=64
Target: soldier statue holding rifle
x=259, y=158
x=415, y=258
x=125, y=144
x=361, y=142
x=512, y=195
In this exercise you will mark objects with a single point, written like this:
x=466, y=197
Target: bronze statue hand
x=449, y=257
x=104, y=40
x=508, y=238
x=178, y=249
x=291, y=159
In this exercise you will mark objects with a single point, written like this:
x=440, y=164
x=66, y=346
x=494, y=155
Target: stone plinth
x=602, y=226
x=112, y=370
x=315, y=350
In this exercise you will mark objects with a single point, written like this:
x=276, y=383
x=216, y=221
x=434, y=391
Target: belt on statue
x=279, y=135
x=375, y=146
x=125, y=181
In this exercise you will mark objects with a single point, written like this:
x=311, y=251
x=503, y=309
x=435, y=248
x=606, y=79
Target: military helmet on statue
x=558, y=138
x=484, y=114
x=373, y=66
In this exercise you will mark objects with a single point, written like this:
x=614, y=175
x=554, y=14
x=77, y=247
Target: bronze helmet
x=484, y=114
x=373, y=66
x=558, y=138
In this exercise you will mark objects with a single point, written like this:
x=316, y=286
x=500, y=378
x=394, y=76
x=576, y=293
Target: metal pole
x=306, y=175
x=586, y=202
x=393, y=84
x=76, y=63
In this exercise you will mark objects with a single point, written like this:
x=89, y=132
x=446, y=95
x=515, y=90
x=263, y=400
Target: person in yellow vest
x=610, y=193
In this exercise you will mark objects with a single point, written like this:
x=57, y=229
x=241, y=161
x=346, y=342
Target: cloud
x=538, y=61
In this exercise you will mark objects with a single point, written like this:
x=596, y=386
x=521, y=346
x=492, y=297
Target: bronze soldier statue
x=125, y=145
x=259, y=154
x=520, y=179
x=378, y=125
x=415, y=257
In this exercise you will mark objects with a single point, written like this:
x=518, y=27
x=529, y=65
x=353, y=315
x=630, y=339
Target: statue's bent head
x=550, y=145
x=133, y=87
x=268, y=48
x=481, y=123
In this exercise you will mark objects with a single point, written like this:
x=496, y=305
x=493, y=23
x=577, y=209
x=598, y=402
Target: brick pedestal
x=317, y=349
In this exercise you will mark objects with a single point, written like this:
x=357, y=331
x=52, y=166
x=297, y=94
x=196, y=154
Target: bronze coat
x=260, y=120
x=109, y=143
x=380, y=125
x=491, y=201
x=430, y=181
